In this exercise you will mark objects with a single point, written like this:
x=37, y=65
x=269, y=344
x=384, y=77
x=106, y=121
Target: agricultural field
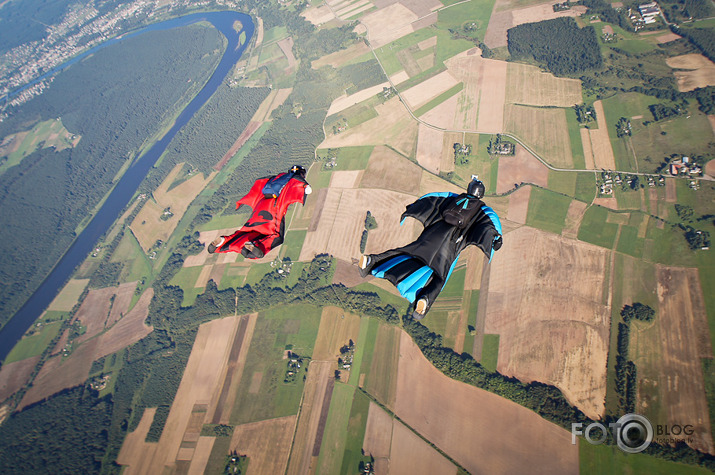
x=439, y=402
x=47, y=134
x=529, y=85
x=69, y=295
x=538, y=340
x=60, y=372
x=543, y=130
x=162, y=211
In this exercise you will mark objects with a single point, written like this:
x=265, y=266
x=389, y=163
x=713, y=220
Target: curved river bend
x=128, y=184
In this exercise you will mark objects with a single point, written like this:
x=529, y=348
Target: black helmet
x=476, y=187
x=298, y=170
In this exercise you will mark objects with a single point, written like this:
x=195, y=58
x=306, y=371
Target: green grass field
x=490, y=352
x=137, y=264
x=595, y=229
x=629, y=242
x=369, y=348
x=547, y=210
x=276, y=33
x=335, y=436
x=471, y=321
x=359, y=351
x=33, y=345
x=439, y=99
x=476, y=12
x=354, y=115
x=609, y=460
x=348, y=158
x=293, y=244
x=579, y=160
x=687, y=134
x=355, y=433
x=562, y=182
x=295, y=325
x=50, y=133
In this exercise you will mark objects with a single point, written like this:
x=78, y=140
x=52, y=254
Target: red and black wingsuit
x=270, y=198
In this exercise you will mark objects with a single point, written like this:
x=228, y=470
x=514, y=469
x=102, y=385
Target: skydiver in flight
x=270, y=198
x=451, y=222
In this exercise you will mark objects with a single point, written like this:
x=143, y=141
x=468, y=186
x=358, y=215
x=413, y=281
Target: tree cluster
x=113, y=109
x=559, y=44
x=607, y=13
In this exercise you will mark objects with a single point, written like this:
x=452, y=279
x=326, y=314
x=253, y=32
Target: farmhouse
x=649, y=11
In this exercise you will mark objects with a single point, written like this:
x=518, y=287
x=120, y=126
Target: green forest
x=559, y=44
x=113, y=109
x=210, y=132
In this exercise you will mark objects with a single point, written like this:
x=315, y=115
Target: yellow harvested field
x=388, y=24
x=430, y=143
x=410, y=454
x=523, y=167
x=431, y=183
x=345, y=179
x=667, y=38
x=492, y=96
x=378, y=432
x=387, y=170
x=69, y=295
x=587, y=151
x=135, y=450
x=200, y=455
x=13, y=376
x=94, y=311
x=271, y=103
x=342, y=221
x=427, y=90
x=552, y=323
x=600, y=142
x=354, y=8
x=341, y=57
x=544, y=130
x=122, y=299
x=481, y=102
x=710, y=166
x=316, y=394
x=529, y=85
x=700, y=71
x=207, y=379
x=519, y=205
x=573, y=219
x=57, y=374
x=684, y=338
x=266, y=443
x=445, y=115
x=337, y=328
x=455, y=416
x=286, y=46
x=504, y=16
x=400, y=77
x=148, y=227
x=344, y=101
x=318, y=15
x=393, y=126
x=203, y=277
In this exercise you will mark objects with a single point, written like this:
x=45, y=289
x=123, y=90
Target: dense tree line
x=678, y=10
x=702, y=38
x=112, y=108
x=559, y=44
x=626, y=372
x=607, y=13
x=210, y=133
x=66, y=434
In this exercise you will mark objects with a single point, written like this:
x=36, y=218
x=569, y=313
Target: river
x=117, y=200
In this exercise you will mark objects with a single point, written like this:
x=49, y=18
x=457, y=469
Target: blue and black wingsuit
x=451, y=222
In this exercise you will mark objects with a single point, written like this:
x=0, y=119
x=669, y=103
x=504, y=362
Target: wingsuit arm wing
x=486, y=232
x=427, y=208
x=296, y=191
x=254, y=195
